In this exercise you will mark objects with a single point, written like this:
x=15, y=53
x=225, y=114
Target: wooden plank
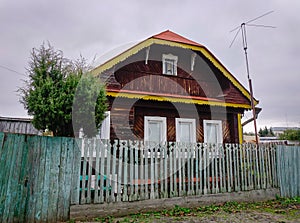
x=269, y=182
x=2, y=139
x=274, y=166
x=108, y=174
x=97, y=171
x=84, y=175
x=136, y=170
x=114, y=175
x=251, y=169
x=24, y=182
x=197, y=168
x=120, y=171
x=189, y=169
x=151, y=153
x=46, y=144
x=209, y=166
x=142, y=171
x=67, y=170
x=167, y=173
x=205, y=165
x=102, y=173
x=36, y=166
x=4, y=172
x=13, y=162
x=222, y=170
x=145, y=151
x=54, y=146
x=18, y=184
x=62, y=180
x=12, y=198
x=76, y=164
x=124, y=143
x=235, y=167
x=175, y=170
x=91, y=178
x=156, y=166
x=183, y=162
x=180, y=168
x=241, y=165
x=161, y=170
x=131, y=171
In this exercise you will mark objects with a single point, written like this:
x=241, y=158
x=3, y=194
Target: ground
x=279, y=210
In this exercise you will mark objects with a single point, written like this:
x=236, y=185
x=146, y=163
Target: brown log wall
x=127, y=122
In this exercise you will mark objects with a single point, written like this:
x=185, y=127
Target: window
x=105, y=127
x=185, y=133
x=185, y=130
x=169, y=64
x=155, y=132
x=155, y=129
x=213, y=131
x=213, y=136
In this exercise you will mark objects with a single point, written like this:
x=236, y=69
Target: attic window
x=169, y=64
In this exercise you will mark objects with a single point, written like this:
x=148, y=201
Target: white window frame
x=216, y=153
x=169, y=57
x=163, y=120
x=105, y=127
x=192, y=123
x=220, y=131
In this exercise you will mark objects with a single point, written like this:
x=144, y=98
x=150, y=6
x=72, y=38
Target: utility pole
x=242, y=28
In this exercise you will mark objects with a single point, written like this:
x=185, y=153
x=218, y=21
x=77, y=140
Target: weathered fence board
x=288, y=171
x=41, y=177
x=35, y=178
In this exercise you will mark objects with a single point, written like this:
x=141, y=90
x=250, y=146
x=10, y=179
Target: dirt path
x=245, y=217
x=238, y=217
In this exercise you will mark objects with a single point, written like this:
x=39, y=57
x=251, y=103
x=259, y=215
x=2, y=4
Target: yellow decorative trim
x=135, y=49
x=240, y=128
x=178, y=100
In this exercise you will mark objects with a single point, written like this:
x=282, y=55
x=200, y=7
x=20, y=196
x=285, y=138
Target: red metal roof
x=170, y=36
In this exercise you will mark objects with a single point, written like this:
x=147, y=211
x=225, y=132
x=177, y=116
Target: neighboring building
x=169, y=88
x=279, y=130
x=18, y=125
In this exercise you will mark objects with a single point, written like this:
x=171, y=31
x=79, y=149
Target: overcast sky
x=93, y=27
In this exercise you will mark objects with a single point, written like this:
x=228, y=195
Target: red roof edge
x=174, y=37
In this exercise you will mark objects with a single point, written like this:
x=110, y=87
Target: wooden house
x=169, y=88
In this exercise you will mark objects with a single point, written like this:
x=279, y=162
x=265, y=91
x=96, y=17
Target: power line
x=9, y=69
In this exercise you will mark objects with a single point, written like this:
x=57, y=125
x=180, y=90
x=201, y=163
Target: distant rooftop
x=281, y=129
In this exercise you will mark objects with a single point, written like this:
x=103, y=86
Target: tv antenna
x=242, y=28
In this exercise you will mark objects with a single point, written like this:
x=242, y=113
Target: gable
x=198, y=83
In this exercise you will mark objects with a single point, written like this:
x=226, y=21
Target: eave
x=148, y=42
x=173, y=98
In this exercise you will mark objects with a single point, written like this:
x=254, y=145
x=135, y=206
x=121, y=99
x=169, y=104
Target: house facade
x=169, y=88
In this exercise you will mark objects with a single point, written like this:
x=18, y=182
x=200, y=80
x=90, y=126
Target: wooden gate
x=36, y=175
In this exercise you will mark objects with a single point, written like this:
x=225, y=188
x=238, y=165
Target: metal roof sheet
x=171, y=36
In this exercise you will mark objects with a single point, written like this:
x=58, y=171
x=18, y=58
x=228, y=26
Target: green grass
x=289, y=207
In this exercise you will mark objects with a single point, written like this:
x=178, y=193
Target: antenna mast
x=242, y=28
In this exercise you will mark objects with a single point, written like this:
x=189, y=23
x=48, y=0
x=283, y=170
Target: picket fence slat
x=41, y=177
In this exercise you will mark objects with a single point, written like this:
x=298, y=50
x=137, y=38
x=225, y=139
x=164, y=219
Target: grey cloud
x=94, y=27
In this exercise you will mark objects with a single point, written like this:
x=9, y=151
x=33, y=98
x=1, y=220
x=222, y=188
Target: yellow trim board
x=240, y=128
x=135, y=49
x=178, y=100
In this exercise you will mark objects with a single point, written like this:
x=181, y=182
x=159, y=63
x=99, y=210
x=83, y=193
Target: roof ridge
x=174, y=37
